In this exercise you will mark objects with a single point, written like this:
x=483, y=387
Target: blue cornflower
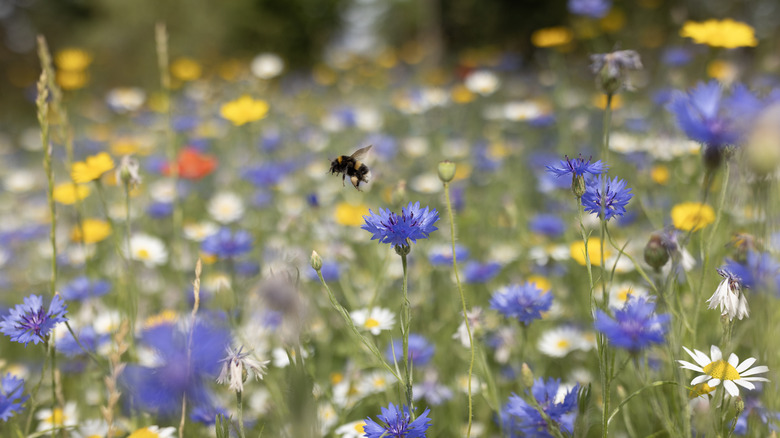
x=590, y=8
x=701, y=115
x=442, y=255
x=11, y=400
x=30, y=322
x=330, y=272
x=475, y=272
x=88, y=338
x=400, y=230
x=676, y=56
x=524, y=302
x=397, y=423
x=519, y=417
x=81, y=288
x=635, y=326
x=577, y=167
x=182, y=368
x=226, y=244
x=159, y=210
x=759, y=271
x=420, y=350
x=207, y=413
x=547, y=224
x=607, y=198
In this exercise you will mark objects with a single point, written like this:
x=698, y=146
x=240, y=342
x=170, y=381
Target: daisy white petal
x=745, y=384
x=731, y=388
x=713, y=382
x=690, y=366
x=746, y=364
x=733, y=360
x=756, y=370
x=699, y=379
x=715, y=353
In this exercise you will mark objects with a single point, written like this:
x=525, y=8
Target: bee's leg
x=342, y=180
x=356, y=182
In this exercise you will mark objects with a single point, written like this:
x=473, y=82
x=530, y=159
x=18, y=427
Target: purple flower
x=590, y=8
x=442, y=255
x=577, y=167
x=397, y=423
x=420, y=350
x=526, y=302
x=226, y=244
x=547, y=224
x=475, y=272
x=607, y=198
x=11, y=400
x=635, y=326
x=30, y=322
x=519, y=418
x=81, y=288
x=400, y=230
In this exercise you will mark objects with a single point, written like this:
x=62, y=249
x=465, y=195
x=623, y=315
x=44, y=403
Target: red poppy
x=193, y=164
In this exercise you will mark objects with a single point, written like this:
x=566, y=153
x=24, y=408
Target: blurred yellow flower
x=577, y=251
x=614, y=21
x=72, y=59
x=692, y=216
x=720, y=33
x=95, y=230
x=461, y=94
x=601, y=101
x=72, y=80
x=68, y=193
x=92, y=168
x=186, y=69
x=721, y=70
x=541, y=282
x=349, y=214
x=660, y=174
x=244, y=110
x=552, y=36
x=166, y=317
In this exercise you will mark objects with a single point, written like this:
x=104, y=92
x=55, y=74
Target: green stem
x=406, y=319
x=240, y=414
x=462, y=302
x=607, y=123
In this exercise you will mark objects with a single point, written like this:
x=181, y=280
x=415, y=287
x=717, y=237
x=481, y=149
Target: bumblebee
x=352, y=167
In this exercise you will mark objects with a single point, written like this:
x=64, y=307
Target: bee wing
x=360, y=153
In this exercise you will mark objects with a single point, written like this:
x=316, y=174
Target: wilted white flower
x=235, y=364
x=729, y=297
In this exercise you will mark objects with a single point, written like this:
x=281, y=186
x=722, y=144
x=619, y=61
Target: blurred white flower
x=374, y=320
x=199, y=231
x=267, y=66
x=226, y=207
x=125, y=99
x=483, y=82
x=148, y=249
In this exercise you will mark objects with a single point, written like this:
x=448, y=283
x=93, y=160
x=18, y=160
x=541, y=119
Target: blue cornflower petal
x=82, y=288
x=420, y=350
x=11, y=399
x=413, y=223
x=577, y=167
x=30, y=322
x=396, y=423
x=613, y=193
x=227, y=244
x=526, y=302
x=519, y=417
x=635, y=327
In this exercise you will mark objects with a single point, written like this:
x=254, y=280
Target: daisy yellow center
x=143, y=254
x=563, y=343
x=623, y=294
x=56, y=417
x=144, y=433
x=700, y=389
x=371, y=323
x=360, y=427
x=379, y=382
x=93, y=436
x=336, y=378
x=722, y=370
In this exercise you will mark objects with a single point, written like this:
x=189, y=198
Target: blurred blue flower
x=30, y=322
x=159, y=389
x=524, y=302
x=400, y=230
x=90, y=340
x=420, y=350
x=159, y=210
x=330, y=272
x=247, y=268
x=270, y=140
x=442, y=255
x=522, y=419
x=475, y=272
x=577, y=167
x=397, y=423
x=635, y=326
x=547, y=225
x=759, y=271
x=227, y=244
x=207, y=414
x=82, y=288
x=590, y=8
x=268, y=174
x=385, y=146
x=606, y=198
x=432, y=391
x=676, y=56
x=11, y=399
x=262, y=198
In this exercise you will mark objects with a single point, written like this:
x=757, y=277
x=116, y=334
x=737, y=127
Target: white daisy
x=729, y=297
x=148, y=249
x=619, y=293
x=374, y=320
x=125, y=99
x=483, y=82
x=91, y=429
x=327, y=416
x=267, y=65
x=376, y=382
x=154, y=432
x=226, y=207
x=351, y=430
x=560, y=341
x=199, y=231
x=715, y=370
x=65, y=417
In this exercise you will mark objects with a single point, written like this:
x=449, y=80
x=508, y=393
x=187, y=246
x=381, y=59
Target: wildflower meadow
x=574, y=234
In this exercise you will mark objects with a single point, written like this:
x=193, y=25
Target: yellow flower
x=68, y=193
x=614, y=21
x=166, y=317
x=692, y=216
x=660, y=174
x=185, y=69
x=577, y=251
x=552, y=36
x=244, y=110
x=601, y=101
x=72, y=59
x=461, y=94
x=92, y=168
x=541, y=282
x=95, y=230
x=72, y=80
x=348, y=214
x=721, y=70
x=720, y=33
